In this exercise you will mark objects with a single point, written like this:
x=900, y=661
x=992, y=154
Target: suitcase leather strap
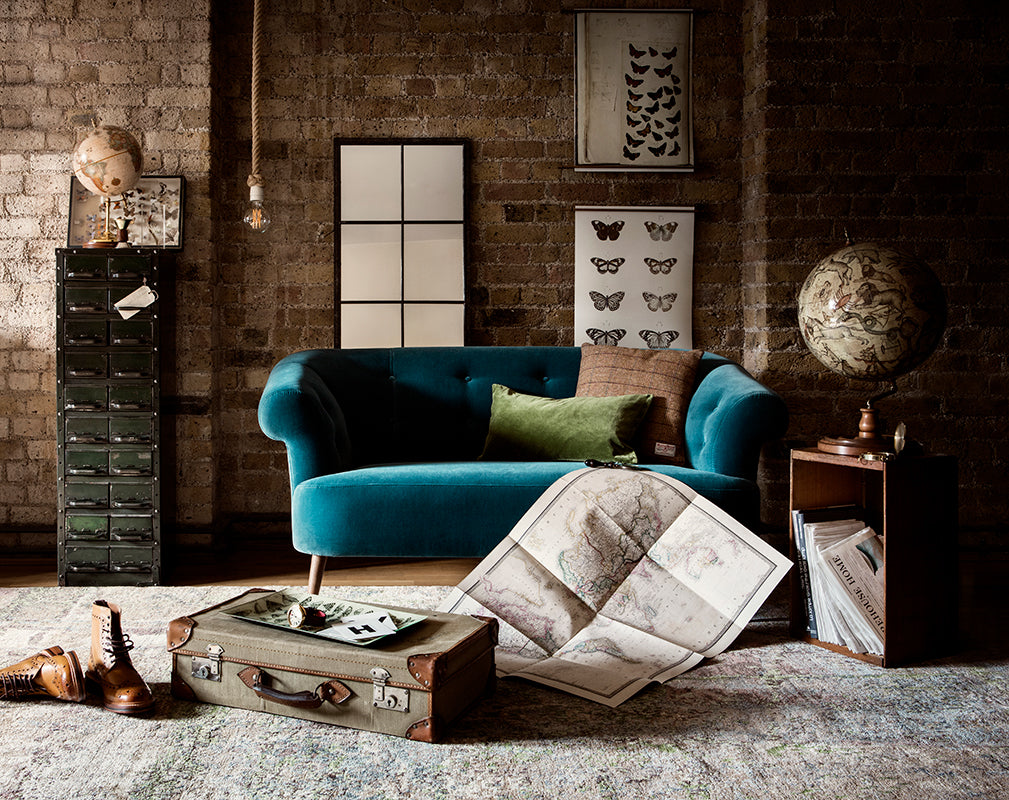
x=258, y=680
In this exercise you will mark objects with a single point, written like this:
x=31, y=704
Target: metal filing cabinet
x=108, y=437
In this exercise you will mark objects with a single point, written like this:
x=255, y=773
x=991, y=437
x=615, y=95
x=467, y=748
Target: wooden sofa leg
x=315, y=574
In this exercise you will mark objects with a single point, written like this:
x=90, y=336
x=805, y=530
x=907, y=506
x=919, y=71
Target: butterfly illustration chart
x=634, y=276
x=633, y=107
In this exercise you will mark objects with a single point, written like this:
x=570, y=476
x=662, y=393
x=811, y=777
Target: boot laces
x=117, y=646
x=16, y=685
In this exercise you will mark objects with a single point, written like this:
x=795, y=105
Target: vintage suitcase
x=412, y=684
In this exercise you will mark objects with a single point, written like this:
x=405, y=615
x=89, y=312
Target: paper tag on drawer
x=135, y=301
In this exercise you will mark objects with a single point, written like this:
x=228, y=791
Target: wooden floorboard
x=260, y=565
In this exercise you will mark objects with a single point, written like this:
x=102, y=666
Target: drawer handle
x=131, y=373
x=88, y=566
x=78, y=439
x=84, y=307
x=81, y=406
x=80, y=536
x=130, y=340
x=131, y=471
x=85, y=471
x=130, y=439
x=85, y=502
x=92, y=274
x=85, y=373
x=126, y=405
x=85, y=340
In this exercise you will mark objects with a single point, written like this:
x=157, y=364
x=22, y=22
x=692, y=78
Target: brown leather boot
x=110, y=671
x=51, y=672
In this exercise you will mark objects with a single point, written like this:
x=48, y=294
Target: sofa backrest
x=433, y=404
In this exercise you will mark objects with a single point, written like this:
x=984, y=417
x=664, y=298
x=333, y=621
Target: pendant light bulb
x=256, y=216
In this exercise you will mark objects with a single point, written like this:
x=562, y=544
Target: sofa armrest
x=298, y=409
x=730, y=417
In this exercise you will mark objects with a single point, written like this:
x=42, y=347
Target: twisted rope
x=255, y=178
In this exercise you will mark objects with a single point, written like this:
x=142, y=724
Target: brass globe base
x=101, y=242
x=855, y=447
x=867, y=441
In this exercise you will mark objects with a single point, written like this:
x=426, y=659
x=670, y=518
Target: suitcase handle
x=333, y=691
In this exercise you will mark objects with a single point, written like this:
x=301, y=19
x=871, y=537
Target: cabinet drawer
x=131, y=529
x=84, y=332
x=129, y=268
x=85, y=300
x=87, y=527
x=131, y=463
x=86, y=365
x=130, y=398
x=85, y=430
x=132, y=495
x=87, y=495
x=87, y=558
x=131, y=365
x=131, y=558
x=85, y=398
x=86, y=463
x=131, y=430
x=131, y=332
x=82, y=267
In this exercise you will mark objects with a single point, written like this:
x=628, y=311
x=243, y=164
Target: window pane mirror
x=400, y=249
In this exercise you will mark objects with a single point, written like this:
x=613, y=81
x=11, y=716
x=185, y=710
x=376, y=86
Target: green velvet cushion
x=528, y=428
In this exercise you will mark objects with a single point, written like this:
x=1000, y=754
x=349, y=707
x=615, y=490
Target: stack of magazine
x=841, y=569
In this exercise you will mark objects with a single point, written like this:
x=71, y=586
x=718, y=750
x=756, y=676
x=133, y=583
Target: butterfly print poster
x=634, y=276
x=633, y=99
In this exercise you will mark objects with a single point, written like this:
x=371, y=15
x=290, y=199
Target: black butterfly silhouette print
x=657, y=303
x=633, y=82
x=629, y=155
x=606, y=302
x=665, y=266
x=631, y=142
x=640, y=69
x=659, y=340
x=635, y=53
x=661, y=231
x=610, y=230
x=605, y=265
x=612, y=337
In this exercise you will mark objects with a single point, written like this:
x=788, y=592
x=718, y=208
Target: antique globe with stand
x=871, y=313
x=108, y=163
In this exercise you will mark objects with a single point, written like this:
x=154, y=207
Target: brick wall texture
x=886, y=119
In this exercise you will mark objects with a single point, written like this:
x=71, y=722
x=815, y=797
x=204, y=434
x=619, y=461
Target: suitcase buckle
x=385, y=696
x=209, y=668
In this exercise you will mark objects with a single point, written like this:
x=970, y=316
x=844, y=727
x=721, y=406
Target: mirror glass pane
x=370, y=325
x=370, y=182
x=433, y=182
x=433, y=324
x=370, y=262
x=433, y=263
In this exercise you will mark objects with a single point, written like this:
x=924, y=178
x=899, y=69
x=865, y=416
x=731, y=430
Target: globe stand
x=106, y=238
x=868, y=440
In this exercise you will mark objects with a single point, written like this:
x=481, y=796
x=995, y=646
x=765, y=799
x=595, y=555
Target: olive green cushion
x=528, y=428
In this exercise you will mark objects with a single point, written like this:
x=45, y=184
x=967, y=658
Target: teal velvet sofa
x=383, y=445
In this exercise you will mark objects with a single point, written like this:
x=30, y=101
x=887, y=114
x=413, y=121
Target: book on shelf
x=842, y=575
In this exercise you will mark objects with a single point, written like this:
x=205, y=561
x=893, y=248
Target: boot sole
x=119, y=708
x=76, y=689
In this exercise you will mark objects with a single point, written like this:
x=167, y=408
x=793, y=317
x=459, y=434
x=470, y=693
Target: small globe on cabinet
x=872, y=313
x=108, y=161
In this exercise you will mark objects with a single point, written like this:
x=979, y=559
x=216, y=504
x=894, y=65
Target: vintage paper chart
x=616, y=578
x=634, y=276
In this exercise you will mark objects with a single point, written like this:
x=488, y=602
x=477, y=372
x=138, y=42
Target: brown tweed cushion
x=667, y=375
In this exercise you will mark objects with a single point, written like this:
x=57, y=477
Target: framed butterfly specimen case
x=633, y=103
x=634, y=276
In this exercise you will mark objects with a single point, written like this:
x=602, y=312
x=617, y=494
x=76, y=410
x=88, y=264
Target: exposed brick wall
x=142, y=65
x=888, y=119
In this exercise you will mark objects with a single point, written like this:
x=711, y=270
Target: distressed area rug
x=769, y=718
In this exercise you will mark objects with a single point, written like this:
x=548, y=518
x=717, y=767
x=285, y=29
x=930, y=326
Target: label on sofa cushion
x=665, y=450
